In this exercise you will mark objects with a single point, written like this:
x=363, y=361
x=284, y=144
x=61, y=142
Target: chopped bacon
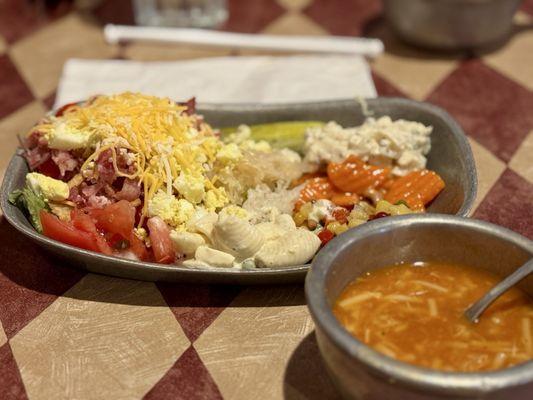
x=75, y=196
x=36, y=157
x=65, y=161
x=98, y=201
x=191, y=106
x=36, y=151
x=54, y=163
x=104, y=163
x=33, y=140
x=91, y=190
x=130, y=190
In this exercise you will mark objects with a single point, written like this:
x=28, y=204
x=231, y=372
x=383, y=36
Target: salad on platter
x=147, y=178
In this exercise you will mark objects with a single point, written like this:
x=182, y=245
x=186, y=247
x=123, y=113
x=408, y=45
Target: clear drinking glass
x=181, y=13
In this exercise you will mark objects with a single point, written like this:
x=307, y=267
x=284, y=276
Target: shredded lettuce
x=31, y=204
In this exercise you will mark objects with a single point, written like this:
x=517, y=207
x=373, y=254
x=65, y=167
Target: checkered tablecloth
x=68, y=334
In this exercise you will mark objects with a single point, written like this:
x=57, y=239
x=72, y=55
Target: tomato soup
x=414, y=313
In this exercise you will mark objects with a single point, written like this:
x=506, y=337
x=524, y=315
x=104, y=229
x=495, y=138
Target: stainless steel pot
x=361, y=372
x=451, y=24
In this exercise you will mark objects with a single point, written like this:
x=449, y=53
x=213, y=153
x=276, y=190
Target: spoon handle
x=474, y=311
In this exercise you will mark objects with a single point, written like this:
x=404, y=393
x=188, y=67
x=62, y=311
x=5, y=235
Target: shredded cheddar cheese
x=165, y=141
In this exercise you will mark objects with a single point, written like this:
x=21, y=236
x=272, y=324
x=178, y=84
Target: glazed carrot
x=417, y=189
x=355, y=176
x=345, y=199
x=306, y=177
x=315, y=189
x=321, y=188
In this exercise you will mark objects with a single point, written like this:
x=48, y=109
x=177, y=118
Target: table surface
x=69, y=334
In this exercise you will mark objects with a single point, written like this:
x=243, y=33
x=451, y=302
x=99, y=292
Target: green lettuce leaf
x=31, y=204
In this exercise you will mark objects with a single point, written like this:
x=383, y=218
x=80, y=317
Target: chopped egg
x=216, y=198
x=65, y=137
x=229, y=153
x=49, y=188
x=175, y=212
x=141, y=233
x=190, y=186
x=242, y=137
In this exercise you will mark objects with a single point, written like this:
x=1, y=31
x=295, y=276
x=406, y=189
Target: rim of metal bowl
x=397, y=370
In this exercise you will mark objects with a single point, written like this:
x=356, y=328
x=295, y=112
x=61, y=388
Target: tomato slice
x=64, y=108
x=325, y=235
x=49, y=168
x=85, y=223
x=138, y=248
x=161, y=243
x=65, y=232
x=116, y=218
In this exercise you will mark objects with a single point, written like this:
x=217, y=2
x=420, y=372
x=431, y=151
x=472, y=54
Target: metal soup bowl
x=361, y=372
x=451, y=24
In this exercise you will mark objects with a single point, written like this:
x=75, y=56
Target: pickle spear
x=288, y=134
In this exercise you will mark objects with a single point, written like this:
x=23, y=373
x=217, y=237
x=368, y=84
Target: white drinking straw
x=304, y=44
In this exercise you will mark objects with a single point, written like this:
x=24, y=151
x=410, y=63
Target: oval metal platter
x=450, y=156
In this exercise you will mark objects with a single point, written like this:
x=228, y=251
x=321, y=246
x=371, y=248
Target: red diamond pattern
x=13, y=90
x=251, y=16
x=188, y=379
x=33, y=285
x=491, y=108
x=50, y=100
x=344, y=17
x=384, y=87
x=509, y=203
x=527, y=6
x=30, y=16
x=115, y=12
x=196, y=306
x=11, y=386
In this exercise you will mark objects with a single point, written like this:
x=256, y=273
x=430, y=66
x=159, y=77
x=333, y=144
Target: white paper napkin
x=222, y=80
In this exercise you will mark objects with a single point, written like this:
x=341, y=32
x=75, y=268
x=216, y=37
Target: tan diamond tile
x=294, y=23
x=3, y=337
x=515, y=59
x=3, y=45
x=291, y=23
x=17, y=123
x=522, y=161
x=105, y=338
x=40, y=56
x=246, y=349
x=489, y=169
x=415, y=72
x=294, y=5
x=168, y=52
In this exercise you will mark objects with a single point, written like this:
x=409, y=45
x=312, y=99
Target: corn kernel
x=337, y=228
x=384, y=206
x=299, y=218
x=306, y=209
x=352, y=223
x=400, y=209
